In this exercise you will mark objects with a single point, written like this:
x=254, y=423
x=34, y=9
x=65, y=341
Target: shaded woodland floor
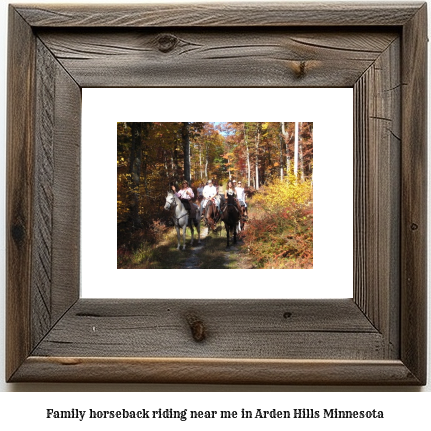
x=278, y=235
x=211, y=253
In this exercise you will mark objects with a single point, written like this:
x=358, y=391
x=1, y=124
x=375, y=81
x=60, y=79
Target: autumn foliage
x=280, y=235
x=274, y=160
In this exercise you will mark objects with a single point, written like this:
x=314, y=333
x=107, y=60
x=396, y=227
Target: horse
x=181, y=218
x=230, y=216
x=211, y=215
x=242, y=219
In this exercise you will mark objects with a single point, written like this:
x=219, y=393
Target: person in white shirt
x=209, y=192
x=240, y=194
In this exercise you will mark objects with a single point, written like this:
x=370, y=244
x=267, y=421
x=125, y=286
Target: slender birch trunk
x=200, y=162
x=287, y=138
x=280, y=159
x=300, y=152
x=206, y=160
x=247, y=152
x=295, y=153
x=257, y=141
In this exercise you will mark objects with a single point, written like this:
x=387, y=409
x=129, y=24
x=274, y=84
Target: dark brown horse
x=230, y=216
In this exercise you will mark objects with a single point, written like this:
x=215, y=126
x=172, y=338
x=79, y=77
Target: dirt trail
x=222, y=258
x=192, y=261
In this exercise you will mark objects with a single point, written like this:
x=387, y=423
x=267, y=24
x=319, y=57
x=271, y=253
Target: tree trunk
x=166, y=163
x=247, y=153
x=206, y=160
x=145, y=130
x=175, y=165
x=287, y=139
x=200, y=162
x=266, y=164
x=295, y=153
x=257, y=140
x=300, y=152
x=135, y=172
x=280, y=158
x=185, y=134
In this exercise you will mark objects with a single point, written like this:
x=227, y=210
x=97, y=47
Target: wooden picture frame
x=378, y=337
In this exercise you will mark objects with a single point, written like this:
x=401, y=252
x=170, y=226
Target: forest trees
x=266, y=151
x=153, y=156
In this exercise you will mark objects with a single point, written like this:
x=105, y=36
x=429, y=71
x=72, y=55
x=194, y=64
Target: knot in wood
x=197, y=328
x=18, y=233
x=167, y=42
x=414, y=226
x=300, y=69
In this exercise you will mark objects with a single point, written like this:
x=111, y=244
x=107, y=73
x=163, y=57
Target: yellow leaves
x=282, y=194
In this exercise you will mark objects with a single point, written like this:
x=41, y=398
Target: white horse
x=181, y=218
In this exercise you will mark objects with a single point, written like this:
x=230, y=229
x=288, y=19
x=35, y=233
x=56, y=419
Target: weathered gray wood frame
x=379, y=337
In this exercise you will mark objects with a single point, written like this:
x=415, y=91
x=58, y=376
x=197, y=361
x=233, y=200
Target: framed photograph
x=377, y=337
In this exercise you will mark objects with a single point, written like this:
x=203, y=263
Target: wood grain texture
x=227, y=58
x=414, y=195
x=55, y=278
x=19, y=200
x=43, y=194
x=215, y=371
x=268, y=329
x=67, y=198
x=377, y=182
x=54, y=336
x=219, y=15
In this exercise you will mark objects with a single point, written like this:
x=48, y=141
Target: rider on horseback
x=210, y=203
x=230, y=194
x=210, y=193
x=186, y=195
x=241, y=196
x=231, y=212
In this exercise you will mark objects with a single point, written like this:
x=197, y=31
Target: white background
x=405, y=407
x=332, y=273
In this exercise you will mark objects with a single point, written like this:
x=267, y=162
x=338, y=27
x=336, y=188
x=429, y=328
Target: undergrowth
x=280, y=233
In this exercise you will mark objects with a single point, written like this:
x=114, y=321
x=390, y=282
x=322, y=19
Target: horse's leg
x=177, y=228
x=191, y=230
x=209, y=217
x=205, y=214
x=184, y=235
x=209, y=212
x=227, y=234
x=234, y=233
x=213, y=216
x=198, y=228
